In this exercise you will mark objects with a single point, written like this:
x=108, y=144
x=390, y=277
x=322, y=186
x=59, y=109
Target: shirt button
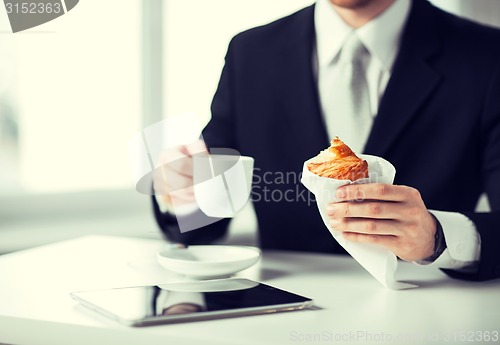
x=460, y=247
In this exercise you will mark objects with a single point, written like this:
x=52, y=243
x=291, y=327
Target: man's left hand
x=394, y=217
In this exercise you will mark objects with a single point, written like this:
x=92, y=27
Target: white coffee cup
x=222, y=183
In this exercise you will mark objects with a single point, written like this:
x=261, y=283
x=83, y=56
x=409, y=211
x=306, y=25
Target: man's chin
x=352, y=4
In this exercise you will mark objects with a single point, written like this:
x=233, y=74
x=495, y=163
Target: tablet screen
x=175, y=301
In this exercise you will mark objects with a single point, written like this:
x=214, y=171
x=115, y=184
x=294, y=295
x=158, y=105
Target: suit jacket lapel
x=297, y=88
x=412, y=81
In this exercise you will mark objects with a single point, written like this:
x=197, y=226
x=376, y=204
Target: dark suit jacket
x=438, y=123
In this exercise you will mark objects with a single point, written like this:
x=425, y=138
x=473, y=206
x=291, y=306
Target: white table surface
x=35, y=307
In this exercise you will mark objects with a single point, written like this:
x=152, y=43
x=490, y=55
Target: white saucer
x=208, y=262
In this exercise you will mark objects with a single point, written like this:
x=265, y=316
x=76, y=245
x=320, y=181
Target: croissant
x=339, y=162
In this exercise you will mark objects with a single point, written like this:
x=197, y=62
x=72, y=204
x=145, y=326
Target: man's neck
x=360, y=16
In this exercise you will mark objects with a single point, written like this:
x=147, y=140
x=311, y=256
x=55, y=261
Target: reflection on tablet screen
x=217, y=297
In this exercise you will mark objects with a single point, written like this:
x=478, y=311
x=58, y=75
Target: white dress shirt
x=381, y=37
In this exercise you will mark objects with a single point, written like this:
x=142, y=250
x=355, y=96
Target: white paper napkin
x=380, y=262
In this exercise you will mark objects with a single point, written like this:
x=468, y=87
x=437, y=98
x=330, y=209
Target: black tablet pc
x=190, y=301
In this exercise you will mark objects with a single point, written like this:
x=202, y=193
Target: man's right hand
x=173, y=179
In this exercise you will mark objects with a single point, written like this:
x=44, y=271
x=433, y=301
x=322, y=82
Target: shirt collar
x=381, y=36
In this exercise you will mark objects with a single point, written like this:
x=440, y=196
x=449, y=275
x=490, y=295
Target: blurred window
x=70, y=99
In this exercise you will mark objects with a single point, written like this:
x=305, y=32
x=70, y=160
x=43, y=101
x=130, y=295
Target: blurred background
x=75, y=91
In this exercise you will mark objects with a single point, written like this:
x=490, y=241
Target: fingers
x=394, y=217
x=174, y=189
x=174, y=181
x=365, y=226
x=385, y=241
x=194, y=148
x=375, y=191
x=179, y=159
x=183, y=167
x=367, y=209
x=173, y=178
x=166, y=179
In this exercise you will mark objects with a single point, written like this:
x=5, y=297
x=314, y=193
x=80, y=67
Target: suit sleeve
x=219, y=132
x=488, y=224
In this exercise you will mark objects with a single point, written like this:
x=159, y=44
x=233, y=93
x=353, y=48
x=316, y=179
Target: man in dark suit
x=435, y=116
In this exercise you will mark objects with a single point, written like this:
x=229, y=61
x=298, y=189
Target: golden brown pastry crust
x=342, y=164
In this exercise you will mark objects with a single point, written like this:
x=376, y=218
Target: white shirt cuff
x=463, y=243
